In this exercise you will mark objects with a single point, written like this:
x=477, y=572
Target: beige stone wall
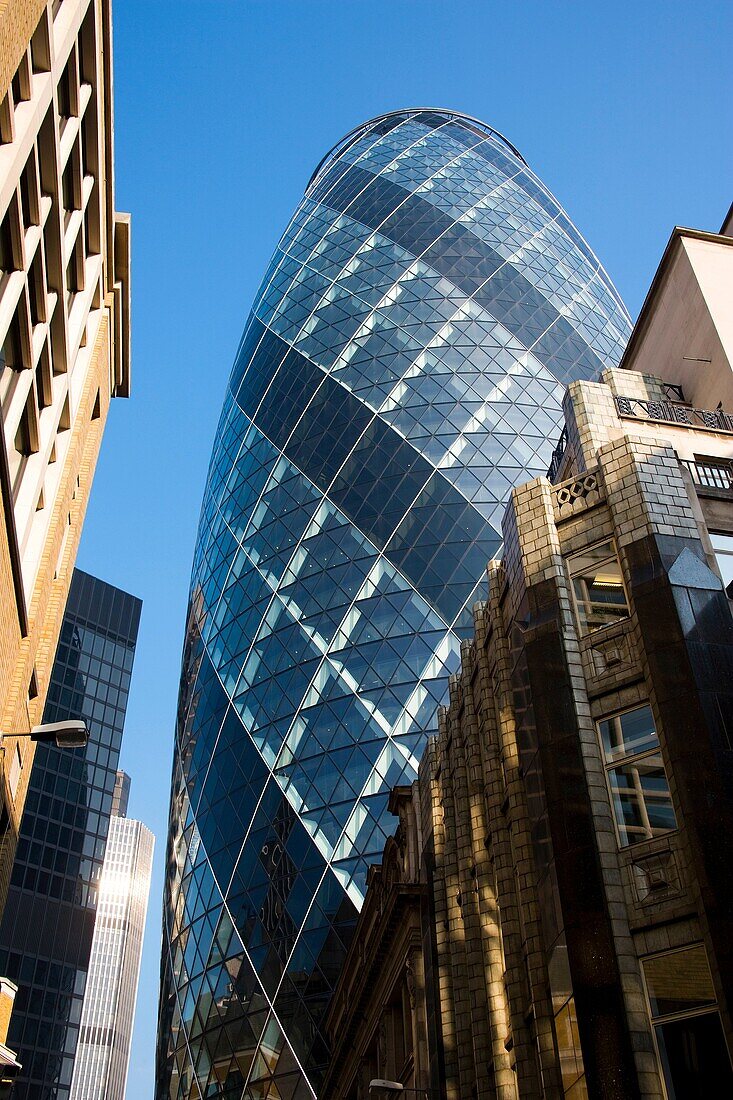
x=76, y=331
x=7, y=999
x=18, y=20
x=491, y=965
x=685, y=330
x=36, y=651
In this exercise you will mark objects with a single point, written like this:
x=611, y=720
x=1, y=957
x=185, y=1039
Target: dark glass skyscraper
x=47, y=927
x=402, y=368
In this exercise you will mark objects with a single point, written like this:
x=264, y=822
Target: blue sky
x=222, y=110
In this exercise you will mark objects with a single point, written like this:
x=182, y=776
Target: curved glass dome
x=401, y=369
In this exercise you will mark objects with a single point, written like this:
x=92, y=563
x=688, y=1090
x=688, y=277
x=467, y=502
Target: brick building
x=570, y=838
x=64, y=340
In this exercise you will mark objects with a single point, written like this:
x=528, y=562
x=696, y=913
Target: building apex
x=407, y=112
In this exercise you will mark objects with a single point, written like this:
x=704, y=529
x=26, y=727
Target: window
x=36, y=295
x=598, y=587
x=29, y=194
x=12, y=349
x=66, y=90
x=723, y=547
x=44, y=383
x=26, y=442
x=69, y=189
x=8, y=250
x=21, y=82
x=40, y=54
x=572, y=1069
x=687, y=1028
x=16, y=766
x=636, y=778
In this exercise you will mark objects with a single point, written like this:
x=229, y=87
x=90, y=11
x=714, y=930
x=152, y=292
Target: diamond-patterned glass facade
x=402, y=368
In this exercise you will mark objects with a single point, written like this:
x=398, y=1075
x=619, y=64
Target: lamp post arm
x=71, y=734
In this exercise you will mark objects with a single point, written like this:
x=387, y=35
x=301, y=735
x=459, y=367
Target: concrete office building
x=47, y=929
x=403, y=366
x=555, y=915
x=103, y=1051
x=64, y=339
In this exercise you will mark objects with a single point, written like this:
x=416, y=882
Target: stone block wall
x=542, y=916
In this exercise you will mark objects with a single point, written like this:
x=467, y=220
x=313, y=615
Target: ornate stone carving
x=577, y=494
x=610, y=654
x=656, y=877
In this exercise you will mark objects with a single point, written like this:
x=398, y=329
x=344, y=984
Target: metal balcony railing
x=711, y=475
x=670, y=412
x=557, y=455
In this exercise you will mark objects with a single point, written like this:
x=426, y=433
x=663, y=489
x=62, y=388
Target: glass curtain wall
x=48, y=922
x=401, y=369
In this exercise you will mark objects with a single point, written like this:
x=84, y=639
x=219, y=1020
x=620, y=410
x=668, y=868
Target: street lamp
x=71, y=734
x=378, y=1085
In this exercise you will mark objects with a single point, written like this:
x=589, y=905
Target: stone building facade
x=64, y=340
x=573, y=818
x=379, y=1017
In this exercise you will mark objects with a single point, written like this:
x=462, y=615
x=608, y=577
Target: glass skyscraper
x=401, y=369
x=48, y=923
x=103, y=1051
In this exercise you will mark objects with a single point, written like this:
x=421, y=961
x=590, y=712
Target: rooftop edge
x=352, y=135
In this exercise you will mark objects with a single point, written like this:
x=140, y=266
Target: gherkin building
x=401, y=369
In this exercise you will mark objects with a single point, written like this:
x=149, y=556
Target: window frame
x=610, y=765
x=656, y=1022
x=726, y=553
x=584, y=630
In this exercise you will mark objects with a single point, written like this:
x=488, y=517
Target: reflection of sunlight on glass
x=111, y=982
x=115, y=883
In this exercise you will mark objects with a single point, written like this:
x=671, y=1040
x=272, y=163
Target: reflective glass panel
x=402, y=370
x=639, y=789
x=598, y=587
x=628, y=733
x=679, y=981
x=723, y=547
x=641, y=799
x=689, y=1034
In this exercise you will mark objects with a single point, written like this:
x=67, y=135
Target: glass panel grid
x=598, y=587
x=403, y=368
x=637, y=780
x=56, y=875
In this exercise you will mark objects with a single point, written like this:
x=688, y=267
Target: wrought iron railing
x=714, y=475
x=670, y=412
x=557, y=455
